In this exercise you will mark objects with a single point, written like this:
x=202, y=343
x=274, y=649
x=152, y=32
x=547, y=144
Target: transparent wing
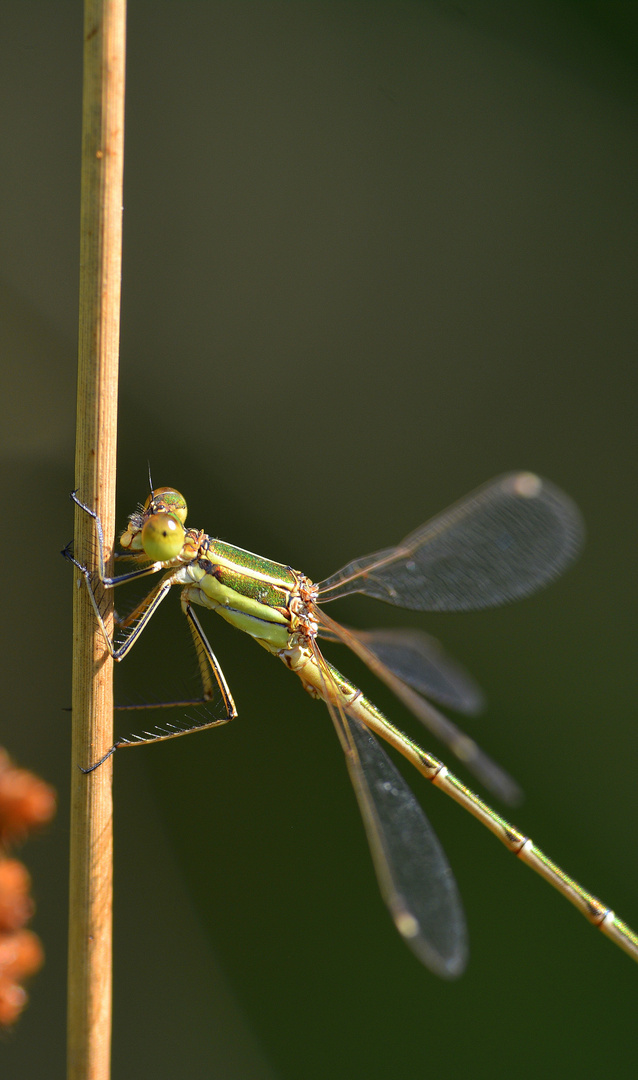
x=500, y=543
x=491, y=775
x=421, y=661
x=413, y=873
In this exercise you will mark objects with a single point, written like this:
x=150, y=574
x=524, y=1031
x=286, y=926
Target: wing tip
x=446, y=967
x=527, y=484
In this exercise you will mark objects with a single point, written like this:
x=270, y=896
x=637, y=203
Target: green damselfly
x=498, y=544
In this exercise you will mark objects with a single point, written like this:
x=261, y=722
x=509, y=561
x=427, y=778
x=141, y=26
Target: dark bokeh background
x=375, y=253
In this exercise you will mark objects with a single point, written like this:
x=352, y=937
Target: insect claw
x=97, y=764
x=66, y=554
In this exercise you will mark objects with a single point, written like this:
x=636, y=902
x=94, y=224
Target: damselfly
x=499, y=544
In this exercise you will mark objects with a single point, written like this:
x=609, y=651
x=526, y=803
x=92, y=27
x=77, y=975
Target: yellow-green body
x=251, y=593
x=265, y=599
x=280, y=608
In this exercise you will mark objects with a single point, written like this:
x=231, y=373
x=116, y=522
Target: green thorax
x=251, y=593
x=250, y=575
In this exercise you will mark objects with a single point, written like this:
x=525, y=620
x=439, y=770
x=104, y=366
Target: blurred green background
x=374, y=254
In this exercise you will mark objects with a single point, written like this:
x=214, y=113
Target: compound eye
x=166, y=500
x=163, y=537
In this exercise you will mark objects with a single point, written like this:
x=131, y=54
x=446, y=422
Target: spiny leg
x=107, y=582
x=212, y=678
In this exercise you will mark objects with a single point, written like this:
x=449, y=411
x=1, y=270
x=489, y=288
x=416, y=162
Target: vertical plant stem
x=89, y=989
